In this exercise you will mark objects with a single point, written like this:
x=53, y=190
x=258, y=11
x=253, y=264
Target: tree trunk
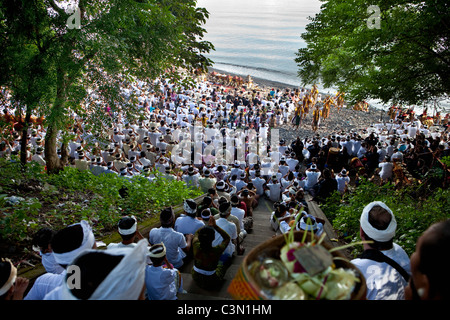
x=53, y=162
x=23, y=142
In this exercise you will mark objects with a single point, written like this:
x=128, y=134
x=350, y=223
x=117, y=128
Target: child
x=162, y=280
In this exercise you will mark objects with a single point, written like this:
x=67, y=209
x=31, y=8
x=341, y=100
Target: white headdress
x=373, y=233
x=131, y=230
x=11, y=279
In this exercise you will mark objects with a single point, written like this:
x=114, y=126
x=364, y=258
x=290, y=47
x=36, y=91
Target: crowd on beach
x=224, y=141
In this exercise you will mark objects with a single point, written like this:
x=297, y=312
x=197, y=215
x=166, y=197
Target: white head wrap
x=131, y=230
x=375, y=234
x=66, y=258
x=157, y=251
x=125, y=281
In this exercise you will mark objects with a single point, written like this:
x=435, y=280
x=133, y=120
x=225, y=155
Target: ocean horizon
x=260, y=38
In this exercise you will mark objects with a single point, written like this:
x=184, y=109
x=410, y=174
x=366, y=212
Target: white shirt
x=341, y=181
x=38, y=158
x=258, y=182
x=230, y=228
x=312, y=177
x=386, y=169
x=239, y=213
x=274, y=191
x=383, y=281
x=44, y=285
x=188, y=225
x=191, y=181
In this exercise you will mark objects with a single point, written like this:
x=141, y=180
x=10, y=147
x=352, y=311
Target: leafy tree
x=404, y=59
x=93, y=45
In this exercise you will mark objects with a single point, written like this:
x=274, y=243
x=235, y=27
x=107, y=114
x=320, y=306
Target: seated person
x=162, y=280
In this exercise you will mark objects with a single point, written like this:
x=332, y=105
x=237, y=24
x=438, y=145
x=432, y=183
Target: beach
x=345, y=119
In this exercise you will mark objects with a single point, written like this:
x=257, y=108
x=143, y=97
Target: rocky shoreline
x=344, y=120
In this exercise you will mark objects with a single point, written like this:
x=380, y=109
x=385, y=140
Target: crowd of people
x=223, y=141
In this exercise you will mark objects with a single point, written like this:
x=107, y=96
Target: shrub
x=413, y=214
x=72, y=195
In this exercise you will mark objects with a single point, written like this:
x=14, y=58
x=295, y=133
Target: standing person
x=298, y=114
x=429, y=274
x=162, y=280
x=177, y=245
x=208, y=271
x=384, y=264
x=316, y=118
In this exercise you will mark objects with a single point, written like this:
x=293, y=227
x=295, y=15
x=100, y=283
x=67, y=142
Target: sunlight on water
x=261, y=37
x=258, y=37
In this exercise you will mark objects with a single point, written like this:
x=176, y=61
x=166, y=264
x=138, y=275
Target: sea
x=260, y=38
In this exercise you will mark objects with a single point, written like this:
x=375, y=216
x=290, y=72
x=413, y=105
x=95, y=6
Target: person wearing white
x=191, y=178
x=239, y=213
x=384, y=282
x=312, y=177
x=273, y=191
x=37, y=157
x=187, y=223
x=412, y=130
x=126, y=280
x=161, y=282
x=47, y=282
x=259, y=182
x=386, y=169
x=228, y=227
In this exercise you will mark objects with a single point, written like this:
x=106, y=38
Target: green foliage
x=72, y=195
x=50, y=67
x=404, y=60
x=446, y=161
x=413, y=215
